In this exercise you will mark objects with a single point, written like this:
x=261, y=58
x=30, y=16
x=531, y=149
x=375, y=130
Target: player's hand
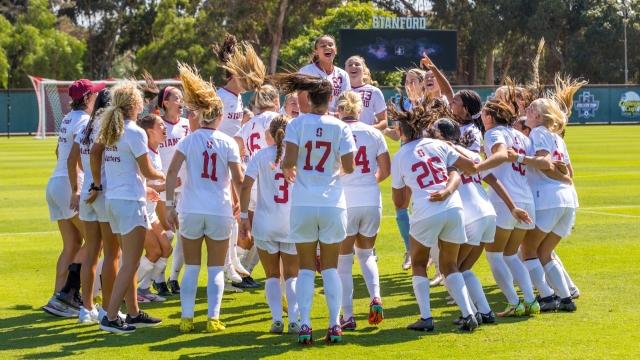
x=521, y=215
x=512, y=155
x=74, y=203
x=152, y=195
x=245, y=232
x=290, y=175
x=561, y=167
x=426, y=62
x=179, y=182
x=439, y=195
x=392, y=133
x=93, y=195
x=172, y=218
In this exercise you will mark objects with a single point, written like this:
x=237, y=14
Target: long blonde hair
x=555, y=109
x=350, y=103
x=200, y=95
x=125, y=99
x=246, y=65
x=265, y=97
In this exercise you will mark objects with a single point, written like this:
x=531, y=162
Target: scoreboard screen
x=391, y=49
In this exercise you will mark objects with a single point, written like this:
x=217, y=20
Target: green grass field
x=602, y=255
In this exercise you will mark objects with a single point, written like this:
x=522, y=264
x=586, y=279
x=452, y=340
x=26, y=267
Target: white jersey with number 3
x=361, y=187
x=253, y=133
x=422, y=166
x=321, y=141
x=208, y=153
x=271, y=218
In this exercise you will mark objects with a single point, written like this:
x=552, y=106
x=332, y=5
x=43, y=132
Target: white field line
x=609, y=214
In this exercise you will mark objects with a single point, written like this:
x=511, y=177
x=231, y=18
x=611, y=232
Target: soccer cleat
x=174, y=286
x=142, y=320
x=469, y=323
x=88, y=316
x=376, y=313
x=142, y=299
x=71, y=299
x=575, y=292
x=406, y=264
x=57, y=308
x=547, y=304
x=215, y=325
x=228, y=287
x=161, y=288
x=567, y=304
x=102, y=313
x=422, y=325
x=305, y=335
x=254, y=284
x=513, y=310
x=186, y=325
x=348, y=324
x=532, y=308
x=277, y=327
x=294, y=328
x=438, y=280
x=231, y=274
x=116, y=326
x=334, y=335
x=147, y=295
x=488, y=318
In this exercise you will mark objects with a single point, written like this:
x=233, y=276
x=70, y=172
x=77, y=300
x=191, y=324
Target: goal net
x=54, y=101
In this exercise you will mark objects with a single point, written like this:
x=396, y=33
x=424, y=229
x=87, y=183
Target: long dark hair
x=102, y=101
x=319, y=90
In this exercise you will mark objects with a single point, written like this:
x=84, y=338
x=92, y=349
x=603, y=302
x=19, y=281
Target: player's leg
x=345, y=272
x=270, y=259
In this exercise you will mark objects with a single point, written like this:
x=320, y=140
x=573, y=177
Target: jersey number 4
x=205, y=166
x=438, y=175
x=361, y=159
x=323, y=159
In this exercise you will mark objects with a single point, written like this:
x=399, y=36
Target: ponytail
x=102, y=101
x=277, y=130
x=126, y=99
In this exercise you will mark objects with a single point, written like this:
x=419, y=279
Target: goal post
x=54, y=101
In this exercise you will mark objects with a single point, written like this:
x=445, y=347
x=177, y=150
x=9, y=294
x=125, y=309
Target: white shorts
x=363, y=220
x=58, y=195
x=311, y=223
x=96, y=211
x=447, y=226
x=556, y=220
x=481, y=230
x=254, y=197
x=505, y=220
x=195, y=226
x=274, y=247
x=125, y=215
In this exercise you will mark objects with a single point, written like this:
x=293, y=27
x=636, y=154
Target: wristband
x=169, y=203
x=521, y=158
x=244, y=215
x=93, y=187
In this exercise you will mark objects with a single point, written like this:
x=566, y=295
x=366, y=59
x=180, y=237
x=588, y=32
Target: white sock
x=215, y=288
x=273, y=293
x=521, y=275
x=567, y=278
x=144, y=271
x=242, y=255
x=502, y=275
x=333, y=294
x=188, y=289
x=554, y=274
x=345, y=266
x=292, y=300
x=178, y=260
x=250, y=258
x=537, y=277
x=476, y=293
x=97, y=284
x=369, y=268
x=421, y=290
x=304, y=293
x=458, y=290
x=158, y=270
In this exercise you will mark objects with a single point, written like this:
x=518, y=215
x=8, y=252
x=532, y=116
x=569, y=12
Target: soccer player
x=374, y=108
x=290, y=107
x=212, y=162
x=321, y=65
x=66, y=298
x=364, y=209
x=318, y=148
x=271, y=237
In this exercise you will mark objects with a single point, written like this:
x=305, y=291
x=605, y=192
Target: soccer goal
x=54, y=101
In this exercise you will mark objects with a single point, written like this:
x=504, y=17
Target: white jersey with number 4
x=474, y=198
x=121, y=167
x=70, y=127
x=372, y=103
x=321, y=141
x=252, y=133
x=271, y=218
x=511, y=175
x=422, y=166
x=208, y=153
x=231, y=111
x=339, y=81
x=361, y=187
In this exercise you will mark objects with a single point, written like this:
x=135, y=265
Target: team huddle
x=295, y=187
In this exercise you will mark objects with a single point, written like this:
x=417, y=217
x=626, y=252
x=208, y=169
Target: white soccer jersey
x=422, y=166
x=474, y=198
x=549, y=193
x=567, y=160
x=339, y=80
x=156, y=162
x=70, y=126
x=271, y=218
x=511, y=175
x=321, y=141
x=473, y=130
x=120, y=166
x=208, y=153
x=361, y=187
x=253, y=133
x=231, y=112
x=85, y=156
x=175, y=133
x=372, y=103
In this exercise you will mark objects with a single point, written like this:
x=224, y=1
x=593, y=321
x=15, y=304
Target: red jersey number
x=362, y=161
x=431, y=174
x=323, y=159
x=213, y=158
x=282, y=198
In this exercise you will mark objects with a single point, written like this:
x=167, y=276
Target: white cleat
x=88, y=316
x=406, y=264
x=438, y=280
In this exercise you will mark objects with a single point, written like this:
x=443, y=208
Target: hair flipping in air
x=414, y=122
x=319, y=90
x=200, y=95
x=350, y=103
x=265, y=98
x=555, y=109
x=126, y=98
x=277, y=130
x=240, y=60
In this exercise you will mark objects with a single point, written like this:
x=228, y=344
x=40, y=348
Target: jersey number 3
x=284, y=189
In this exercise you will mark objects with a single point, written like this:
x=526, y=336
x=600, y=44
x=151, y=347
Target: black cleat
x=469, y=323
x=162, y=289
x=567, y=305
x=422, y=325
x=548, y=303
x=254, y=284
x=488, y=318
x=116, y=326
x=71, y=299
x=143, y=320
x=174, y=286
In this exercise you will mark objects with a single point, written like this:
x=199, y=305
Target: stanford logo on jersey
x=318, y=132
x=170, y=142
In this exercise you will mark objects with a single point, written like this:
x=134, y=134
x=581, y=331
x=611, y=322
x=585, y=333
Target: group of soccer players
x=295, y=186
